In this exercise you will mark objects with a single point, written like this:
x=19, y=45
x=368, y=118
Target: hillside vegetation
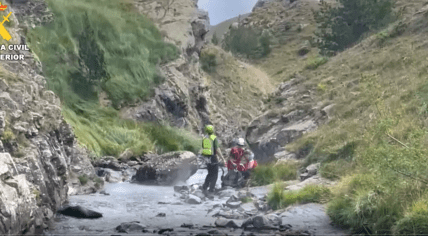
x=236, y=88
x=223, y=27
x=94, y=47
x=375, y=143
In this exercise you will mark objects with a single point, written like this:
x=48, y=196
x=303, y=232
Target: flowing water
x=134, y=202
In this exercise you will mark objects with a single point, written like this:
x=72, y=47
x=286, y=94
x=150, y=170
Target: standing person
x=210, y=150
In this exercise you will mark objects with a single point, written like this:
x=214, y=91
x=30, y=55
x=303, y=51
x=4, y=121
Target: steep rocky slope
x=39, y=158
x=186, y=99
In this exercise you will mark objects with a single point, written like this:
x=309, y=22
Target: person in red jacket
x=241, y=159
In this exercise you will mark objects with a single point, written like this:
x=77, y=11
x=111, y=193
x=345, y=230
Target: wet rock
x=112, y=176
x=258, y=222
x=104, y=193
x=274, y=219
x=233, y=205
x=310, y=171
x=79, y=212
x=261, y=205
x=161, y=215
x=181, y=188
x=199, y=194
x=130, y=227
x=226, y=193
x=228, y=223
x=167, y=168
x=132, y=163
x=248, y=207
x=193, y=199
x=190, y=226
x=161, y=231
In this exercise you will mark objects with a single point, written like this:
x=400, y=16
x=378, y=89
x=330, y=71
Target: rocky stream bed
x=137, y=209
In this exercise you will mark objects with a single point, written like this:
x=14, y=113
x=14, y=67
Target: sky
x=221, y=10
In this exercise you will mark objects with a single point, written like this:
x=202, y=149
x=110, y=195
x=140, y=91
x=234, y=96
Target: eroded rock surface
x=39, y=159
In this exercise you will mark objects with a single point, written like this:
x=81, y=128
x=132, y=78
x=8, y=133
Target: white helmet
x=241, y=142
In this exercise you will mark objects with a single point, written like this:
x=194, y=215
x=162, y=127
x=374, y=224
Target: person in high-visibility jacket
x=210, y=150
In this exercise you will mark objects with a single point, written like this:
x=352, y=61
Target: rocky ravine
x=185, y=99
x=39, y=157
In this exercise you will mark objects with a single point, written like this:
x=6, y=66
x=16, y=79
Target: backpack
x=237, y=153
x=208, y=145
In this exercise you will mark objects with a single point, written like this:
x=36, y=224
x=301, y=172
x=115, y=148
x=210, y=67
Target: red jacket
x=237, y=161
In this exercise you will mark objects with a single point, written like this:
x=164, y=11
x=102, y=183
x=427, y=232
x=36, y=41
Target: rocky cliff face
x=293, y=114
x=184, y=98
x=39, y=157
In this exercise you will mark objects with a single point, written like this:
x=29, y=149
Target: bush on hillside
x=344, y=24
x=208, y=61
x=248, y=41
x=215, y=39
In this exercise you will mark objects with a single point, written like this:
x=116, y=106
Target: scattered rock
x=130, y=227
x=190, y=226
x=79, y=212
x=305, y=48
x=233, y=205
x=194, y=199
x=105, y=193
x=181, y=188
x=228, y=223
x=310, y=171
x=126, y=155
x=161, y=231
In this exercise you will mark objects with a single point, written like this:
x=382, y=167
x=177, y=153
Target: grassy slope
x=237, y=88
x=222, y=27
x=132, y=46
x=377, y=136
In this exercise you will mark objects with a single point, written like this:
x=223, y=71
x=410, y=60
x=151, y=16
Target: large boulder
x=167, y=169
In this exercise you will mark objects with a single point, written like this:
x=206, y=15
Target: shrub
x=268, y=174
x=344, y=24
x=208, y=61
x=315, y=62
x=416, y=220
x=214, y=39
x=83, y=179
x=7, y=135
x=248, y=41
x=265, y=42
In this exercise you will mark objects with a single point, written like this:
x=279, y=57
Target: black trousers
x=211, y=178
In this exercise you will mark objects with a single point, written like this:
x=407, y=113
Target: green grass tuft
x=83, y=179
x=268, y=174
x=315, y=62
x=279, y=198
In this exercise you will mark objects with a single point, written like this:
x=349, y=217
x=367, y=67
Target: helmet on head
x=241, y=142
x=209, y=129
